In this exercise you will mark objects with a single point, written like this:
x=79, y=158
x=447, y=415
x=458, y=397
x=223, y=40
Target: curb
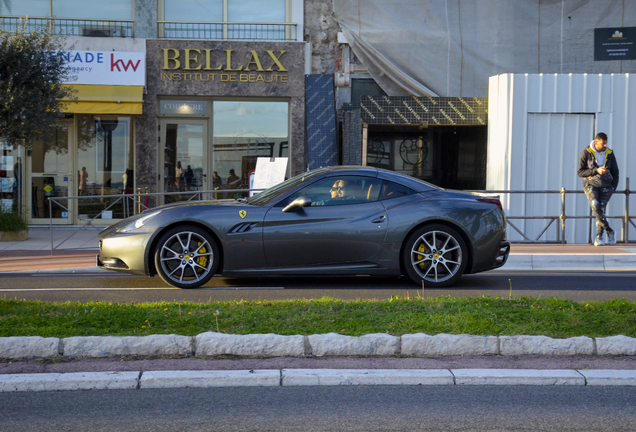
x=310, y=377
x=332, y=344
x=574, y=262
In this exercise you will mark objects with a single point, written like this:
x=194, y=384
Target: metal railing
x=562, y=217
x=131, y=204
x=72, y=26
x=226, y=31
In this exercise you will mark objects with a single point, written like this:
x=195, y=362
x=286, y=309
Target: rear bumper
x=502, y=254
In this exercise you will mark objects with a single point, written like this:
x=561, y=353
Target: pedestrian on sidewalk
x=599, y=171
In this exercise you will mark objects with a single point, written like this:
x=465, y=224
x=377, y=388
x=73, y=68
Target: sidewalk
x=75, y=248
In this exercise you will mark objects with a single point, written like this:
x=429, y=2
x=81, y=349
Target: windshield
x=274, y=192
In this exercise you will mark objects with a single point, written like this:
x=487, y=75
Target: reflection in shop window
x=104, y=165
x=243, y=132
x=10, y=178
x=50, y=174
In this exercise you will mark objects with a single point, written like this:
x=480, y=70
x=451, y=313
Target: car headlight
x=138, y=223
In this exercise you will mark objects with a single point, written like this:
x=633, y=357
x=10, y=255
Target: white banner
x=106, y=67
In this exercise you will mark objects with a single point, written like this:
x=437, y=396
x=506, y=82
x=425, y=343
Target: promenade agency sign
x=106, y=67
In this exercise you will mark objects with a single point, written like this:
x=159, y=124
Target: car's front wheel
x=186, y=257
x=435, y=254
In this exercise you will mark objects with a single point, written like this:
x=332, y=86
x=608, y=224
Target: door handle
x=379, y=220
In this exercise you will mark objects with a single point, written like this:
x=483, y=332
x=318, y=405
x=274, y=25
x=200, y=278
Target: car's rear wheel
x=435, y=254
x=186, y=257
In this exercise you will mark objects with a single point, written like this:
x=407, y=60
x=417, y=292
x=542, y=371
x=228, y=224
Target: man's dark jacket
x=588, y=166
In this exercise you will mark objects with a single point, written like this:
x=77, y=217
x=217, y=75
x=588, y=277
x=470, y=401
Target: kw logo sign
x=114, y=64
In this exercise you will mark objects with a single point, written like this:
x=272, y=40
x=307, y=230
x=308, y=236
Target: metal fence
x=226, y=31
x=133, y=204
x=560, y=219
x=71, y=26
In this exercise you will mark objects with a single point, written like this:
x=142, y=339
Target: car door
x=328, y=232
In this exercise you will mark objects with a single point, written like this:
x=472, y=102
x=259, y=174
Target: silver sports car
x=330, y=221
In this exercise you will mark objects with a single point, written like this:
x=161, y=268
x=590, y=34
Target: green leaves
x=32, y=76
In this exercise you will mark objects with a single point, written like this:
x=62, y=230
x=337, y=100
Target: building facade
x=211, y=86
x=170, y=96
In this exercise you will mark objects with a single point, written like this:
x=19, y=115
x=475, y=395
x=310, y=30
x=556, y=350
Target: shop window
x=244, y=131
x=104, y=165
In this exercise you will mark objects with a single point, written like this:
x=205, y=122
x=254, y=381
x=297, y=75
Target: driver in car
x=338, y=192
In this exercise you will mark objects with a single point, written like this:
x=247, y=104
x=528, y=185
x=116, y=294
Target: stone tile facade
x=255, y=71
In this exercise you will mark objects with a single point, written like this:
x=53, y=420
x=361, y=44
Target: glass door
x=183, y=150
x=50, y=170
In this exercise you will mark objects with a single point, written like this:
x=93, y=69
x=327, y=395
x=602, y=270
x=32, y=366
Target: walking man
x=599, y=171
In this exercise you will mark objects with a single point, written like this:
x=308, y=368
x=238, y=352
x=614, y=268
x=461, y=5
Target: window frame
x=161, y=12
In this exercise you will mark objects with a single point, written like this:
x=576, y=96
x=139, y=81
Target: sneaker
x=599, y=241
x=611, y=238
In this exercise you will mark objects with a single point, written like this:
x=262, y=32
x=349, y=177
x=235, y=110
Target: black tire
x=186, y=257
x=435, y=254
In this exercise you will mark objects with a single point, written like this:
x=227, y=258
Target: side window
x=341, y=191
x=393, y=190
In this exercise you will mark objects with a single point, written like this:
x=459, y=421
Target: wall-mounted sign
x=106, y=67
x=183, y=107
x=228, y=65
x=615, y=43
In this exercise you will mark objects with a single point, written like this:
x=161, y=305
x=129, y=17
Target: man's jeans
x=598, y=198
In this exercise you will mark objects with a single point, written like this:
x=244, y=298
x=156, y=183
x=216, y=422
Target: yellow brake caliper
x=203, y=260
x=422, y=249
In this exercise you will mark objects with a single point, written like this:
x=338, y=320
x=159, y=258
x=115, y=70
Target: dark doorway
x=452, y=157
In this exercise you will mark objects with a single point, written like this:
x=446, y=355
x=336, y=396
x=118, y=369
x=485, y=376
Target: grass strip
x=491, y=316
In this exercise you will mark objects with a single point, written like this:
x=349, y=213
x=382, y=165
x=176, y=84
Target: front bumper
x=123, y=252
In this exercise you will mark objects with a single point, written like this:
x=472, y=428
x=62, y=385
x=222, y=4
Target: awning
x=105, y=99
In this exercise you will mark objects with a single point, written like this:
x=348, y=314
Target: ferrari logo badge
x=242, y=214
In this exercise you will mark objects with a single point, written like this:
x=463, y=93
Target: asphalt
x=65, y=249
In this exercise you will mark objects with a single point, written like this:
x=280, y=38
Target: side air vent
x=241, y=228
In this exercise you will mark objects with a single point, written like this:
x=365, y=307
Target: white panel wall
x=537, y=127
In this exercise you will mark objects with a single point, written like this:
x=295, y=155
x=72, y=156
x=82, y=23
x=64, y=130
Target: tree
x=32, y=76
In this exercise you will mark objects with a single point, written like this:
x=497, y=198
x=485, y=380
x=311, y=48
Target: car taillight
x=491, y=201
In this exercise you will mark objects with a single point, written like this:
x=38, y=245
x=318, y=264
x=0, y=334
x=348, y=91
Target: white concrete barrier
x=210, y=378
x=422, y=344
x=106, y=346
x=25, y=347
x=69, y=381
x=340, y=377
x=334, y=344
x=543, y=345
x=616, y=345
x=517, y=377
x=603, y=377
x=211, y=344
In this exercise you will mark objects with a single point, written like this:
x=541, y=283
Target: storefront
x=90, y=157
x=213, y=107
x=440, y=140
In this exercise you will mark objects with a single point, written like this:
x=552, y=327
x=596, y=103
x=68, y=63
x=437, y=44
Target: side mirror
x=300, y=202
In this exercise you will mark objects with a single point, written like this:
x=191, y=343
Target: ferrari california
x=330, y=221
